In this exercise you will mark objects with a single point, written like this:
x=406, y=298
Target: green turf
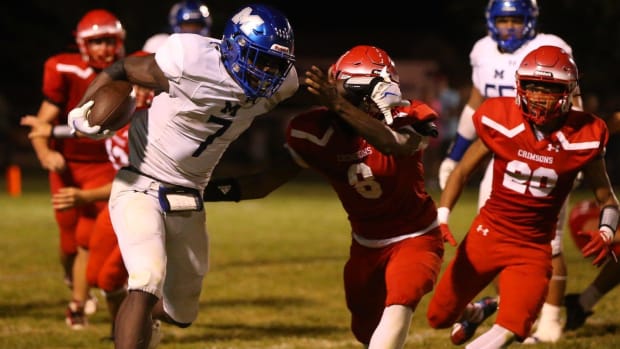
x=275, y=280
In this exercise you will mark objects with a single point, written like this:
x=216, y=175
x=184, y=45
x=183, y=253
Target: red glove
x=598, y=245
x=447, y=234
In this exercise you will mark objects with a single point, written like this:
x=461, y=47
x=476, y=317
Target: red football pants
x=401, y=273
x=76, y=224
x=105, y=269
x=524, y=270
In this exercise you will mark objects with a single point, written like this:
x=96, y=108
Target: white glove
x=77, y=122
x=387, y=95
x=445, y=168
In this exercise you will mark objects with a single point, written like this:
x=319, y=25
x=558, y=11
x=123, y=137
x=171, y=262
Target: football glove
x=446, y=234
x=387, y=95
x=77, y=122
x=445, y=169
x=598, y=245
x=443, y=213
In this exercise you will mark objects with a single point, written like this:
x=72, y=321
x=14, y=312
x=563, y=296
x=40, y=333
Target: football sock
x=392, y=330
x=589, y=297
x=550, y=312
x=495, y=338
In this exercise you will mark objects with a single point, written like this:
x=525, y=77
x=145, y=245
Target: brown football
x=113, y=105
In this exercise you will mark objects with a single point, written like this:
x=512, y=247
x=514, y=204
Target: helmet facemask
x=102, y=50
x=542, y=102
x=262, y=72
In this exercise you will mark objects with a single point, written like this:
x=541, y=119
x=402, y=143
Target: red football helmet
x=364, y=60
x=546, y=84
x=585, y=216
x=98, y=24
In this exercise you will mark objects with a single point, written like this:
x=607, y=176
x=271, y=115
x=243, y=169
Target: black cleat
x=575, y=314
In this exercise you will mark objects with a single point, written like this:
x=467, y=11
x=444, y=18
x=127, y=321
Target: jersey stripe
x=82, y=73
x=312, y=138
x=510, y=133
x=577, y=145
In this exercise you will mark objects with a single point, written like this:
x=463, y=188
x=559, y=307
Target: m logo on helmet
x=247, y=21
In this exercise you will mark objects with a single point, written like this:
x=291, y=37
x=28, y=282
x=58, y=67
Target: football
x=113, y=105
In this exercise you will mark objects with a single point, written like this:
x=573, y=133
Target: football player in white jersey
x=208, y=92
x=494, y=59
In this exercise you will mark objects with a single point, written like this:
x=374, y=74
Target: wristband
x=226, y=189
x=442, y=215
x=62, y=131
x=458, y=148
x=609, y=219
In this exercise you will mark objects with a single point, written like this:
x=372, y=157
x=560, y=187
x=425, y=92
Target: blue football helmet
x=528, y=9
x=190, y=11
x=258, y=49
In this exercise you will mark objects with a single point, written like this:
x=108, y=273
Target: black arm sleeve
x=117, y=70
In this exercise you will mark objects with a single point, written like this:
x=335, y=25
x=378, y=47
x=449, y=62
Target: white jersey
x=493, y=72
x=182, y=136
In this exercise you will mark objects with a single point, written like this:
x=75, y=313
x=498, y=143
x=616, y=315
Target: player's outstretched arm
x=465, y=135
x=455, y=184
x=458, y=178
x=253, y=186
x=376, y=132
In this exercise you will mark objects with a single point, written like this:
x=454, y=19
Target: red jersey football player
x=105, y=269
x=539, y=145
x=371, y=154
x=77, y=162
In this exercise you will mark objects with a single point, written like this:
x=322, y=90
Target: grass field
x=275, y=279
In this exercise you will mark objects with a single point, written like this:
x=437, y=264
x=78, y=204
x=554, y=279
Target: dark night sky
x=440, y=29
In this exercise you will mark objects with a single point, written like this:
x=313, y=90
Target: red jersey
x=532, y=178
x=383, y=195
x=117, y=147
x=65, y=79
